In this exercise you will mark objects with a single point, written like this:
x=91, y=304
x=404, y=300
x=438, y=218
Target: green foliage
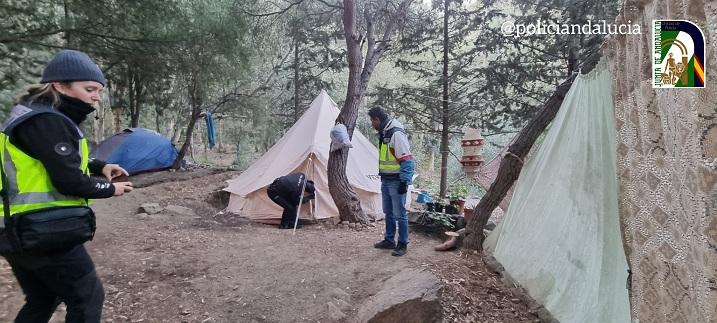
x=25, y=26
x=235, y=57
x=315, y=35
x=522, y=72
x=244, y=160
x=436, y=221
x=444, y=220
x=152, y=52
x=458, y=191
x=419, y=95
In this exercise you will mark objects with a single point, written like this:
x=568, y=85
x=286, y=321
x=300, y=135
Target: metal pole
x=298, y=209
x=301, y=197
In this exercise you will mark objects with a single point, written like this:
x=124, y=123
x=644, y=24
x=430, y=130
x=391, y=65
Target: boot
x=290, y=223
x=400, y=250
x=385, y=244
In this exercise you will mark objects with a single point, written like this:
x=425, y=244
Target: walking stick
x=301, y=197
x=298, y=209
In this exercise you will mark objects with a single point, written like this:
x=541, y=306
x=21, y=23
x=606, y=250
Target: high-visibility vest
x=27, y=184
x=387, y=163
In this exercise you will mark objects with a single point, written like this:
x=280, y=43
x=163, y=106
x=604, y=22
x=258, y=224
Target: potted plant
x=457, y=195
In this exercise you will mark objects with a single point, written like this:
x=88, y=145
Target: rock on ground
x=150, y=208
x=180, y=210
x=412, y=295
x=335, y=314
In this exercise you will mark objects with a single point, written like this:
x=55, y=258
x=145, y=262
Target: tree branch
x=335, y=6
x=281, y=11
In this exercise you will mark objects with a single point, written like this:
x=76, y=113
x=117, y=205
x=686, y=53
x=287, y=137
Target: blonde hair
x=43, y=92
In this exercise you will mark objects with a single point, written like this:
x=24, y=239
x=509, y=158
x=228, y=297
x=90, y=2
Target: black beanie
x=72, y=65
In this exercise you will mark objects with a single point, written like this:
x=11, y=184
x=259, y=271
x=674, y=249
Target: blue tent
x=137, y=150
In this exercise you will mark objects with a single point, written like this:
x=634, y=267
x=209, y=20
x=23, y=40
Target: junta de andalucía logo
x=679, y=54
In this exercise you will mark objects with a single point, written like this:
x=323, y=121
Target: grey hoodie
x=399, y=141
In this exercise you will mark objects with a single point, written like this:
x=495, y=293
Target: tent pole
x=315, y=202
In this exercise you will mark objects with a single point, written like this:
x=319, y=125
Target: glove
x=402, y=188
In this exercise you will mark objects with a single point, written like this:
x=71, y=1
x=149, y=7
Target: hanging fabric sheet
x=560, y=238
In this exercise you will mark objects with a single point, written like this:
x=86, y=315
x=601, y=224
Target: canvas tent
x=137, y=150
x=305, y=148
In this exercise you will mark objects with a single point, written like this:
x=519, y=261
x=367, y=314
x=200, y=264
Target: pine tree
x=436, y=51
x=380, y=22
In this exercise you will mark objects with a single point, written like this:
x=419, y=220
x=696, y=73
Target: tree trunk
x=444, y=159
x=196, y=104
x=511, y=165
x=118, y=103
x=158, y=114
x=98, y=123
x=67, y=25
x=220, y=146
x=431, y=162
x=117, y=118
x=445, y=120
x=296, y=77
x=174, y=128
x=205, y=140
x=344, y=196
x=136, y=94
x=186, y=146
x=131, y=94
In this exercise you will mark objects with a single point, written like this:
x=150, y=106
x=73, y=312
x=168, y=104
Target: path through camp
x=201, y=268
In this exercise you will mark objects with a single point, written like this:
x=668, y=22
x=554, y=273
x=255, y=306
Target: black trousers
x=289, y=215
x=67, y=276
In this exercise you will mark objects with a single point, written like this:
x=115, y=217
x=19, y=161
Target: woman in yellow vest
x=46, y=167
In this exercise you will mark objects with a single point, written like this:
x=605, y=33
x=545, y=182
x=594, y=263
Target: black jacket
x=290, y=185
x=41, y=135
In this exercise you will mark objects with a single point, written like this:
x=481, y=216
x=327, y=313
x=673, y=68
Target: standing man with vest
x=45, y=170
x=395, y=166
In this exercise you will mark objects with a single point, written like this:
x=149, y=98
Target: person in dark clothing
x=42, y=137
x=286, y=191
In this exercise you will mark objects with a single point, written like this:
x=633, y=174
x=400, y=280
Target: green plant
x=440, y=219
x=458, y=191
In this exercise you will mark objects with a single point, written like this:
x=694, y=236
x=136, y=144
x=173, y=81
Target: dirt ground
x=173, y=268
